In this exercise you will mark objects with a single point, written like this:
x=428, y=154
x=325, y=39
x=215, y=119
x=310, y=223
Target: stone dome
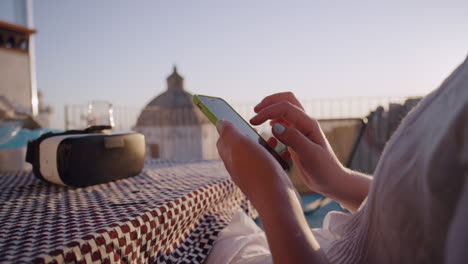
x=174, y=107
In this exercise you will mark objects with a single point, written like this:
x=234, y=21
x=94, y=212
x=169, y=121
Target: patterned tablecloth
x=170, y=213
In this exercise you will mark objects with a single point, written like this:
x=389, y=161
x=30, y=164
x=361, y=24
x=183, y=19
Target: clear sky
x=122, y=51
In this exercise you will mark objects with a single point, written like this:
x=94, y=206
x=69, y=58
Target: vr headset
x=80, y=158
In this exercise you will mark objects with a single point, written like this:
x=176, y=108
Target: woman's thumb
x=228, y=135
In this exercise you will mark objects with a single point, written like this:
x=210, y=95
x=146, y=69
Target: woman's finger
x=286, y=155
x=276, y=98
x=279, y=120
x=296, y=141
x=294, y=116
x=273, y=142
x=227, y=135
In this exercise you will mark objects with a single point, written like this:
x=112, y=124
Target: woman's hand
x=251, y=167
x=267, y=186
x=308, y=146
x=318, y=165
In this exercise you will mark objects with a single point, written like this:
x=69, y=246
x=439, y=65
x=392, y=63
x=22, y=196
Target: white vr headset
x=82, y=157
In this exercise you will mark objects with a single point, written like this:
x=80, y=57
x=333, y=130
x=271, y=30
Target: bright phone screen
x=223, y=111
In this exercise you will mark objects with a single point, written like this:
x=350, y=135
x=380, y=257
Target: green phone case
x=214, y=119
x=204, y=109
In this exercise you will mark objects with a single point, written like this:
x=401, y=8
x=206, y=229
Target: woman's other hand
x=318, y=165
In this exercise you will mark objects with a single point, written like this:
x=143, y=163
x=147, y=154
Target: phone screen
x=223, y=111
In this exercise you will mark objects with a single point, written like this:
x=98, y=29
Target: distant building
x=15, y=75
x=174, y=128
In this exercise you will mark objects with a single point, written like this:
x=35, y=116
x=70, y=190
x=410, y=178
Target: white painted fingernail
x=279, y=128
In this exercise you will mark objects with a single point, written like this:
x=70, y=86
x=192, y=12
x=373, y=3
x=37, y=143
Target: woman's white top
x=419, y=187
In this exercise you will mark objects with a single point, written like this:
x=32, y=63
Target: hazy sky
x=122, y=51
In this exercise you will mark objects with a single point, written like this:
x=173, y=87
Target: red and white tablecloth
x=170, y=213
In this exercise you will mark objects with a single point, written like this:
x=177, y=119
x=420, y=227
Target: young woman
x=412, y=211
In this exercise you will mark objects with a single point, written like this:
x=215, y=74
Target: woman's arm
x=353, y=190
x=289, y=236
x=267, y=186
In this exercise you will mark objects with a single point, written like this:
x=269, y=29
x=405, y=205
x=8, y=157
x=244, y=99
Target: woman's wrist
x=287, y=231
x=330, y=186
x=265, y=197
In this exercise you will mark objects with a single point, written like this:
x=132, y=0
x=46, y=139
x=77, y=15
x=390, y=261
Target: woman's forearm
x=286, y=228
x=351, y=190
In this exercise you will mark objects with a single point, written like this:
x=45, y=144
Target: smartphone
x=216, y=108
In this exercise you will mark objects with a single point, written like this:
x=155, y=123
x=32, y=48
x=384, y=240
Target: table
x=171, y=212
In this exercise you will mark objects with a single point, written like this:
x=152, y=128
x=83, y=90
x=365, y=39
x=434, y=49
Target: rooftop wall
x=15, y=81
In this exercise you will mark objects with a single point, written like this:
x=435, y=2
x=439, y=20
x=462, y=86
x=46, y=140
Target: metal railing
x=76, y=116
x=357, y=128
x=125, y=117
